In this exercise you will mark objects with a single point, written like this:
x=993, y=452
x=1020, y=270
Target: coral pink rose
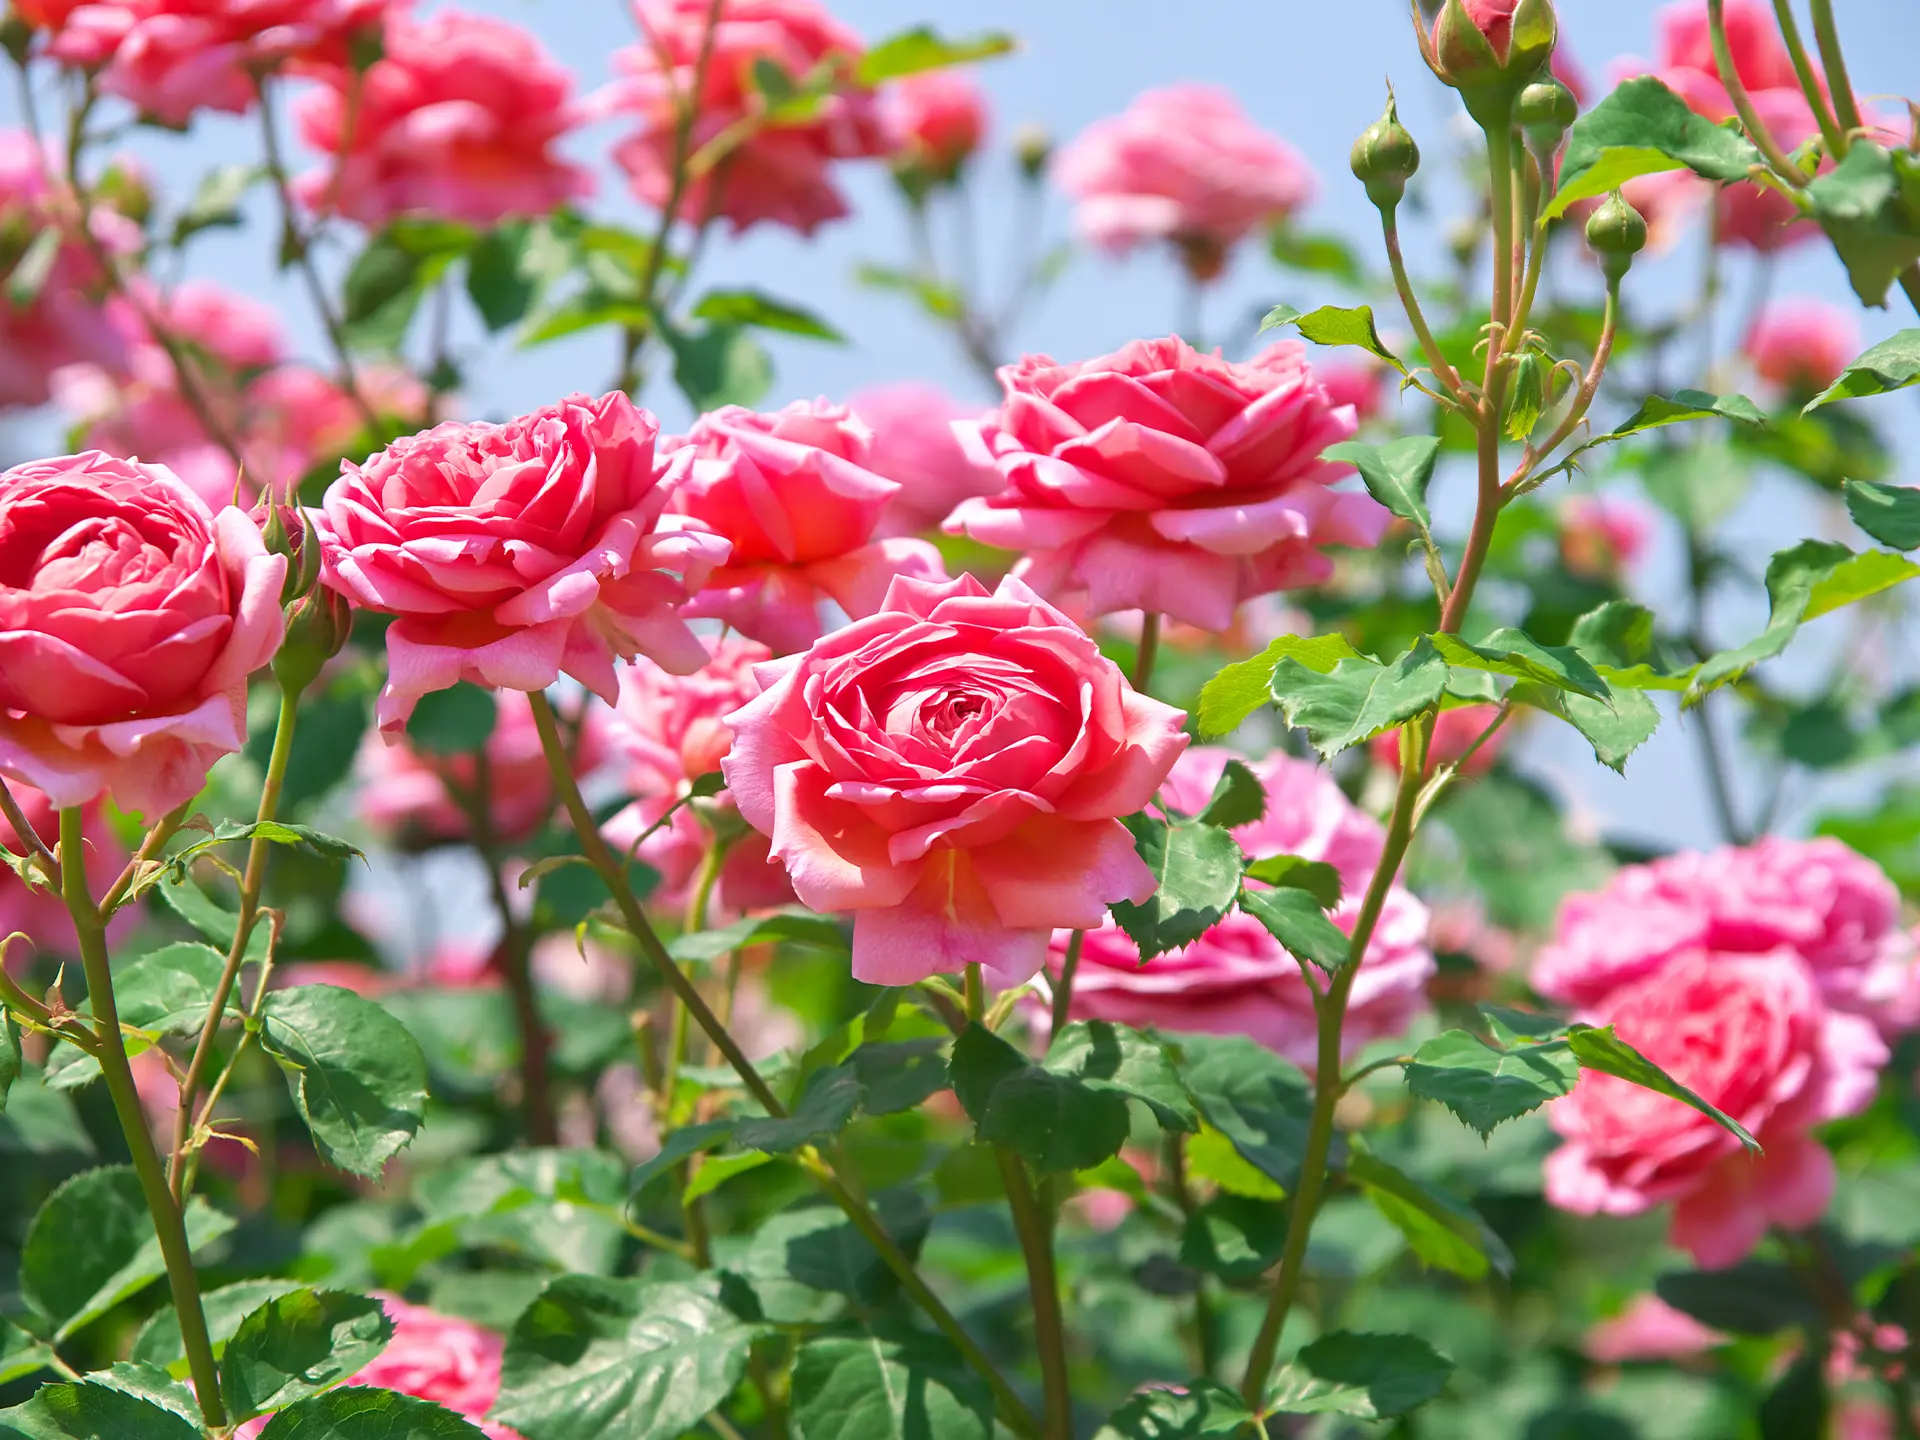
x=1183, y=165
x=1237, y=979
x=782, y=173
x=131, y=616
x=673, y=729
x=41, y=915
x=1603, y=536
x=792, y=492
x=1359, y=383
x=1802, y=345
x=1649, y=1329
x=1829, y=904
x=1453, y=732
x=404, y=792
x=514, y=553
x=1161, y=479
x=915, y=447
x=952, y=770
x=934, y=121
x=1750, y=1034
x=459, y=118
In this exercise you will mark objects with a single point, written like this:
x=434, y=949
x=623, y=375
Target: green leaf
x=1441, y=1229
x=91, y=1245
x=21, y=1354
x=1243, y=687
x=1371, y=1377
x=1614, y=730
x=866, y=1387
x=1792, y=575
x=899, y=1075
x=598, y=1359
x=1514, y=652
x=1196, y=869
x=1598, y=1048
x=383, y=289
x=1235, y=1238
x=360, y=1412
x=825, y=1108
x=500, y=282
x=755, y=308
x=1296, y=919
x=357, y=1075
x=1395, y=474
x=1859, y=578
x=1889, y=513
x=942, y=302
x=1642, y=128
x=455, y=721
x=1335, y=325
x=216, y=200
x=1199, y=1409
x=1893, y=364
x=9, y=1056
x=1295, y=872
x=297, y=1345
x=1485, y=1086
x=981, y=1060
x=721, y=365
x=1238, y=798
x=93, y=1411
x=921, y=48
x=817, y=1246
x=687, y=1140
x=1359, y=698
x=1796, y=1406
x=170, y=990
x=1860, y=204
x=1318, y=253
x=1658, y=410
x=210, y=918
x=159, y=1343
x=1104, y=1056
x=1052, y=1121
x=813, y=932
x=1258, y=1101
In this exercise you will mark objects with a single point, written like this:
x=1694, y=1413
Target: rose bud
x=1616, y=232
x=1488, y=50
x=1384, y=158
x=1544, y=111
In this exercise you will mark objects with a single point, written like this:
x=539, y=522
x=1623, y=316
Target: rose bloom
x=1359, y=383
x=41, y=915
x=952, y=770
x=914, y=446
x=1161, y=479
x=792, y=493
x=131, y=616
x=511, y=554
x=782, y=172
x=672, y=729
x=1802, y=345
x=1649, y=1329
x=1183, y=165
x=1602, y=536
x=1827, y=903
x=1750, y=1034
x=1237, y=979
x=1453, y=732
x=403, y=791
x=934, y=121
x=458, y=119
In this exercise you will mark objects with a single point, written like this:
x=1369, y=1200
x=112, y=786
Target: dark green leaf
x=981, y=1060
x=1295, y=918
x=360, y=1412
x=1334, y=325
x=1641, y=128
x=1514, y=652
x=1359, y=698
x=1395, y=474
x=831, y=1099
x=597, y=1359
x=1054, y=1122
x=1367, y=1376
x=210, y=918
x=1244, y=687
x=1893, y=364
x=9, y=1056
x=898, y=1075
x=358, y=1077
x=1235, y=1238
x=921, y=48
x=455, y=721
x=814, y=932
x=297, y=1345
x=687, y=1140
x=1106, y=1056
x=1196, y=869
x=93, y=1411
x=159, y=1342
x=1486, y=1087
x=1795, y=1408
x=720, y=365
x=499, y=281
x=1658, y=410
x=20, y=1354
x=1238, y=798
x=1197, y=1410
x=1253, y=1097
x=817, y=1246
x=383, y=289
x=752, y=307
x=1316, y=877
x=866, y=1387
x=1889, y=513
x=1598, y=1048
x=1860, y=205
x=1441, y=1229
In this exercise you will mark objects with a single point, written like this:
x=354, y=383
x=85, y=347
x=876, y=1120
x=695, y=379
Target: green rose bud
x=1616, y=232
x=1384, y=158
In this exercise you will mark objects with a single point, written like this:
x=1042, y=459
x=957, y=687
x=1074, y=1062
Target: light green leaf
x=1199, y=1410
x=159, y=1342
x=93, y=1411
x=764, y=312
x=297, y=1345
x=1658, y=410
x=1243, y=687
x=1792, y=575
x=792, y=927
x=911, y=51
x=1858, y=578
x=1642, y=128
x=1889, y=513
x=1359, y=698
x=1893, y=364
x=870, y=1387
x=1598, y=1048
x=1335, y=325
x=216, y=200
x=1371, y=1377
x=1441, y=1229
x=1196, y=869
x=20, y=1354
x=1614, y=730
x=1514, y=652
x=1861, y=205
x=1396, y=474
x=1316, y=877
x=1486, y=1086
x=687, y=1140
x=357, y=1075
x=169, y=990
x=1296, y=919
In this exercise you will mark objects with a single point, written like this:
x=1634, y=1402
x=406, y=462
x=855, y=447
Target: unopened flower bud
x=318, y=625
x=1616, y=232
x=16, y=36
x=1384, y=158
x=1488, y=50
x=1544, y=111
x=1033, y=148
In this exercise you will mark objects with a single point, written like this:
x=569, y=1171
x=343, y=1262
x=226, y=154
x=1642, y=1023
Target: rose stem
x=1063, y=988
x=167, y=1222
x=250, y=886
x=1148, y=652
x=1013, y=1410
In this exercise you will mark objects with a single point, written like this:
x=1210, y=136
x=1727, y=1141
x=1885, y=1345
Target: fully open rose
x=953, y=769
x=131, y=616
x=513, y=553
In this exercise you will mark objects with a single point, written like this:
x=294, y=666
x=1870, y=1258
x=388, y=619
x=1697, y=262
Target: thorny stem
x=148, y=853
x=1444, y=372
x=1839, y=86
x=1777, y=159
x=1030, y=1223
x=23, y=830
x=1830, y=132
x=1582, y=400
x=168, y=1225
x=1148, y=652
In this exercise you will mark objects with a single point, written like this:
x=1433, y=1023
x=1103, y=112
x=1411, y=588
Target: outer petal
x=946, y=925
x=834, y=852
x=1061, y=874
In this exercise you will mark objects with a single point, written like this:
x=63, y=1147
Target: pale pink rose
x=952, y=770
x=782, y=174
x=1359, y=383
x=1158, y=478
x=1829, y=904
x=1183, y=165
x=513, y=553
x=934, y=121
x=1453, y=731
x=792, y=493
x=1751, y=1034
x=1603, y=536
x=403, y=792
x=41, y=915
x=1649, y=1329
x=1802, y=345
x=914, y=446
x=672, y=730
x=131, y=616
x=459, y=118
x=1237, y=979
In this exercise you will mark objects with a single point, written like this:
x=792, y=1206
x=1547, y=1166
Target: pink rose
x=1801, y=345
x=459, y=118
x=934, y=121
x=1453, y=732
x=1237, y=979
x=41, y=915
x=1359, y=383
x=1184, y=165
x=1603, y=536
x=404, y=791
x=1751, y=1034
x=782, y=173
x=131, y=616
x=915, y=447
x=673, y=729
x=953, y=769
x=1649, y=1329
x=1827, y=903
x=514, y=553
x=1158, y=478
x=792, y=492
